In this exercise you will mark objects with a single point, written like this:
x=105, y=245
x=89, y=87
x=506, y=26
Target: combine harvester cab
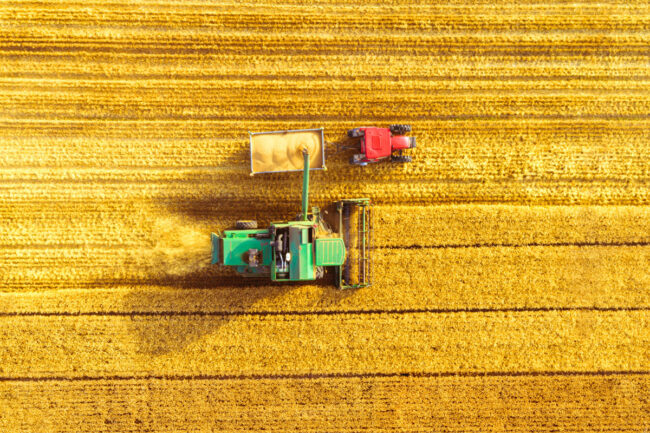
x=299, y=250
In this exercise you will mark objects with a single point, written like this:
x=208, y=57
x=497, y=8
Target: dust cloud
x=178, y=249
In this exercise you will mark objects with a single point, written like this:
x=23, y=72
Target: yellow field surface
x=455, y=404
x=511, y=260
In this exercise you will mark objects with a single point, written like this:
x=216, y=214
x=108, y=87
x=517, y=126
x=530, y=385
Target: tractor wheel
x=246, y=225
x=358, y=164
x=400, y=129
x=355, y=133
x=401, y=158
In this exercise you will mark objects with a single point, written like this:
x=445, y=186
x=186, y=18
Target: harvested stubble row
x=300, y=67
x=511, y=270
x=357, y=343
x=456, y=404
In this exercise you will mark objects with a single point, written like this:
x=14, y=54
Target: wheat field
x=512, y=256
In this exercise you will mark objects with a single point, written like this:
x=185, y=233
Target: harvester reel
x=355, y=229
x=400, y=129
x=246, y=225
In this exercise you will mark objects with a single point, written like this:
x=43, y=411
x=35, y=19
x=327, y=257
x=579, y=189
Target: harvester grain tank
x=301, y=249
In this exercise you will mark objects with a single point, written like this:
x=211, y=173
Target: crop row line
x=305, y=376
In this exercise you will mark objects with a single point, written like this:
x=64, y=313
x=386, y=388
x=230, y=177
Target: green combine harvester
x=300, y=250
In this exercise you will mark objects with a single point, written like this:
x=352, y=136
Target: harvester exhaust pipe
x=305, y=184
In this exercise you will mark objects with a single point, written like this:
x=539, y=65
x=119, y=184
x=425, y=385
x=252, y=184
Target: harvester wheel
x=400, y=129
x=401, y=158
x=246, y=225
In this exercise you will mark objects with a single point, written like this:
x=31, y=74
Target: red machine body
x=377, y=144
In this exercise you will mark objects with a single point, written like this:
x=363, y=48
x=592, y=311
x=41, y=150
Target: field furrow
x=215, y=68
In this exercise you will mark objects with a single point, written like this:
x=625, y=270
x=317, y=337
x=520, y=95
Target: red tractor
x=377, y=144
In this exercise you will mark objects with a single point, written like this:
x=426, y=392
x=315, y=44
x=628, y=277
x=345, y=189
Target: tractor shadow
x=176, y=305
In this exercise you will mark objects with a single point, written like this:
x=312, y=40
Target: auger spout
x=305, y=185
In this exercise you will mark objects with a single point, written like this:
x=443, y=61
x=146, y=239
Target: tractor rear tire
x=400, y=129
x=355, y=133
x=246, y=225
x=401, y=158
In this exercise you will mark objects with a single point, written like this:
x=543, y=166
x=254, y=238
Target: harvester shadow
x=170, y=312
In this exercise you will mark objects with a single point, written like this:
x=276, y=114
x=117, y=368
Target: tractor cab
x=376, y=143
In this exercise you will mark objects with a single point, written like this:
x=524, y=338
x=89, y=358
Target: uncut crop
x=510, y=263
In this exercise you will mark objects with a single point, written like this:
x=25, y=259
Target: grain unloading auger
x=300, y=250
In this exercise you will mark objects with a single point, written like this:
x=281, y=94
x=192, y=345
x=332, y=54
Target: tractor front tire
x=401, y=158
x=400, y=129
x=246, y=225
